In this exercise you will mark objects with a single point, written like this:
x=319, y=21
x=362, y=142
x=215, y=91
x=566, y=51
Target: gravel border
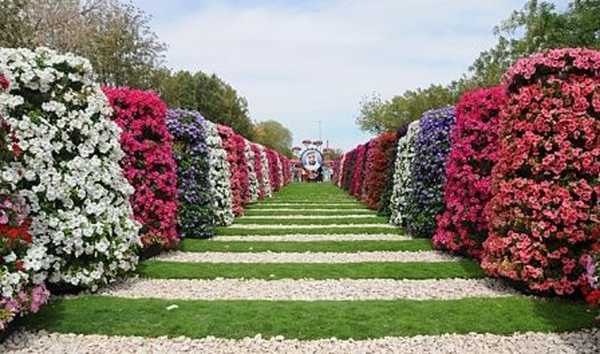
x=311, y=238
x=582, y=342
x=305, y=257
x=308, y=290
x=309, y=226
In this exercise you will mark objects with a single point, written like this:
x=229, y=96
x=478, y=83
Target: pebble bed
x=287, y=226
x=311, y=238
x=583, y=342
x=309, y=290
x=305, y=257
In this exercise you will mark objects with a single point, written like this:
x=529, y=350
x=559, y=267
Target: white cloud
x=299, y=64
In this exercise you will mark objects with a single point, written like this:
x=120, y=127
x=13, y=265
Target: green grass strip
x=308, y=320
x=192, y=245
x=465, y=269
x=259, y=212
x=308, y=206
x=372, y=230
x=296, y=221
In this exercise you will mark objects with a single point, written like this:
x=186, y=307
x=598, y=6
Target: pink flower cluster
x=258, y=168
x=463, y=226
x=356, y=186
x=273, y=157
x=544, y=215
x=234, y=146
x=376, y=168
x=148, y=163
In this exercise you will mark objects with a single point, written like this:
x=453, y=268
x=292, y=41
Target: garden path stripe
x=305, y=257
x=308, y=290
x=580, y=342
x=315, y=217
x=287, y=226
x=311, y=238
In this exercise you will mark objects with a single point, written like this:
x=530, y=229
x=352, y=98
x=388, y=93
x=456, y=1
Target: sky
x=301, y=62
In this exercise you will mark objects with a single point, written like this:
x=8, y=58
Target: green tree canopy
x=273, y=134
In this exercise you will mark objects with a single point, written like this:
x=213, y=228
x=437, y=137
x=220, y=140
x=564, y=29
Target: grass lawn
x=192, y=245
x=307, y=320
x=367, y=270
x=340, y=221
x=371, y=230
x=308, y=212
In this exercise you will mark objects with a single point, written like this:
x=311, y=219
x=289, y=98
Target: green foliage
x=275, y=136
x=215, y=99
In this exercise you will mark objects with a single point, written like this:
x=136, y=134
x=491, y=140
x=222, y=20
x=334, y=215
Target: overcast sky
x=299, y=62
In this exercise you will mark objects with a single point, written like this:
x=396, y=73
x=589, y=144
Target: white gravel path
x=311, y=238
x=305, y=257
x=312, y=204
x=582, y=342
x=308, y=290
x=310, y=226
x=300, y=211
x=312, y=217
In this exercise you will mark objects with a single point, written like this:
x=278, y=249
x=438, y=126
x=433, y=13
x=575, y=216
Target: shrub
x=274, y=171
x=148, y=163
x=266, y=172
x=234, y=146
x=432, y=146
x=251, y=159
x=195, y=216
x=359, y=167
x=463, y=226
x=544, y=215
x=68, y=172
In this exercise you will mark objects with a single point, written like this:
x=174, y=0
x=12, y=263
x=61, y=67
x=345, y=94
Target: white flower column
x=252, y=178
x=265, y=170
x=69, y=171
x=402, y=176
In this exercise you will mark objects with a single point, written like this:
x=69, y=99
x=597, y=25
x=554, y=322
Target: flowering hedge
x=195, y=216
x=386, y=195
x=219, y=177
x=349, y=164
x=148, y=163
x=356, y=183
x=21, y=289
x=463, y=227
x=403, y=182
x=68, y=172
x=253, y=184
x=544, y=216
x=266, y=172
x=376, y=168
x=432, y=146
x=238, y=173
x=274, y=172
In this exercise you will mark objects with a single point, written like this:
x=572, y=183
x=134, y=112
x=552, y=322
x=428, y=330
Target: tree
x=377, y=116
x=115, y=36
x=332, y=153
x=274, y=135
x=215, y=99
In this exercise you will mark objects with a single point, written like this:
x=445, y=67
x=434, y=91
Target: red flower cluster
x=286, y=164
x=272, y=157
x=463, y=227
x=148, y=165
x=376, y=168
x=544, y=215
x=356, y=186
x=258, y=168
x=234, y=146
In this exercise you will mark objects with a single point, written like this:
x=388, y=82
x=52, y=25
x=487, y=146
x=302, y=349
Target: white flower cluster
x=82, y=226
x=218, y=177
x=402, y=175
x=265, y=170
x=252, y=179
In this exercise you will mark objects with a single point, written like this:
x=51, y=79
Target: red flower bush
x=273, y=169
x=376, y=168
x=544, y=215
x=258, y=168
x=357, y=175
x=463, y=227
x=234, y=146
x=148, y=165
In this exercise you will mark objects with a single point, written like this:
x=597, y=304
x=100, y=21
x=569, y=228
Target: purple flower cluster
x=190, y=152
x=428, y=171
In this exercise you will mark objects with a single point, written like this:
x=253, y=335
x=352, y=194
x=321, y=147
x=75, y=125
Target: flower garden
x=176, y=234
